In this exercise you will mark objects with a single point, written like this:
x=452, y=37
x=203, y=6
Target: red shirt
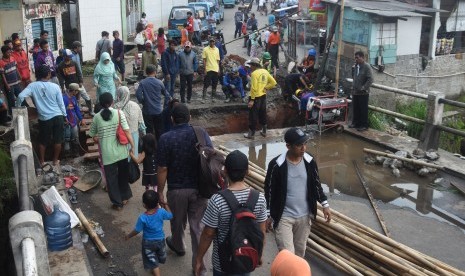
x=22, y=62
x=274, y=38
x=190, y=24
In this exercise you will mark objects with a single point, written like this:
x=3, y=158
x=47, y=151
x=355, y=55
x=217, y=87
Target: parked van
x=178, y=16
x=229, y=3
x=202, y=9
x=218, y=9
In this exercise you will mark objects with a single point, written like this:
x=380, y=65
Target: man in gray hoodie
x=187, y=69
x=363, y=78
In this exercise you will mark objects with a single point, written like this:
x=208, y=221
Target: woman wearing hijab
x=114, y=155
x=133, y=115
x=105, y=76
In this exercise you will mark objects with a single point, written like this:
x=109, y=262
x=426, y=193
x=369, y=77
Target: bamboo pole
x=374, y=250
x=326, y=259
x=372, y=200
x=333, y=257
x=416, y=162
x=338, y=250
x=339, y=48
x=429, y=261
x=101, y=248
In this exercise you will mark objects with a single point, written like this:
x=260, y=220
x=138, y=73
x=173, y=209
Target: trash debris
x=68, y=168
x=432, y=155
x=396, y=172
x=84, y=237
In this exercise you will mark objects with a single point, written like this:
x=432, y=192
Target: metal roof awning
x=387, y=8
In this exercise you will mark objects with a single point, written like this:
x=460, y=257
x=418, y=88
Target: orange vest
x=183, y=36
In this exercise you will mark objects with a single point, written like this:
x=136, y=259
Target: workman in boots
x=261, y=81
x=232, y=86
x=211, y=61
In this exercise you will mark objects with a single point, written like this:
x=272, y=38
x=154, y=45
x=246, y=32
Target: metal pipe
x=29, y=257
x=395, y=90
x=451, y=102
x=395, y=114
x=23, y=189
x=20, y=127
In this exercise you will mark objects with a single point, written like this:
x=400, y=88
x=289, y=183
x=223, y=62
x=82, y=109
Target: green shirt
x=112, y=151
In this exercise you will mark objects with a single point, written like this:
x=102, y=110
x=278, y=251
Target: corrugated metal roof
x=387, y=8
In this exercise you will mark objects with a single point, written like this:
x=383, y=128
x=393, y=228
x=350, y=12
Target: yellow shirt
x=260, y=80
x=211, y=56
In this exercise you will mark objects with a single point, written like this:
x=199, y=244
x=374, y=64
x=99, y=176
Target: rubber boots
x=250, y=134
x=204, y=96
x=213, y=95
x=89, y=106
x=263, y=131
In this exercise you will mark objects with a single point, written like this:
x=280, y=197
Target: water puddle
x=335, y=155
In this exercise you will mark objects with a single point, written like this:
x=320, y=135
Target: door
x=49, y=25
x=133, y=16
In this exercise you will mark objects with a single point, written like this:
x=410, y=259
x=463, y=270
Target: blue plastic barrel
x=58, y=230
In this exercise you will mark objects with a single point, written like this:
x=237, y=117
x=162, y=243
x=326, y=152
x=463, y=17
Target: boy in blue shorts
x=151, y=224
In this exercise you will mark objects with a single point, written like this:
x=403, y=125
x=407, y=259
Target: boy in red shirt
x=10, y=76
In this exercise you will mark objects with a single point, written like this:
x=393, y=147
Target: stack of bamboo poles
x=356, y=249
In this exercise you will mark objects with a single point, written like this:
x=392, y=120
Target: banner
x=317, y=6
x=9, y=4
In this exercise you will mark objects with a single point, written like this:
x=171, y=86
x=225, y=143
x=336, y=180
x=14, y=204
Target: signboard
x=9, y=4
x=317, y=6
x=41, y=10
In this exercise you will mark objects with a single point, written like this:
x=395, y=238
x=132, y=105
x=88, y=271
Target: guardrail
x=26, y=228
x=435, y=101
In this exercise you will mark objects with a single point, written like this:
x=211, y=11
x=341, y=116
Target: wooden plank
x=459, y=186
x=91, y=156
x=90, y=141
x=93, y=148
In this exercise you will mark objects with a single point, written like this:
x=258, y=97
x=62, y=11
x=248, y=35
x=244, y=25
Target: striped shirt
x=112, y=150
x=218, y=215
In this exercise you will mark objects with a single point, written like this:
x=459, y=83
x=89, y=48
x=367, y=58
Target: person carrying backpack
x=232, y=236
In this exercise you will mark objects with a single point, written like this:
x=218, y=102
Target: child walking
x=153, y=239
x=147, y=150
x=73, y=118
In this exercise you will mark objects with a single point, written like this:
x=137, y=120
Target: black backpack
x=211, y=165
x=242, y=248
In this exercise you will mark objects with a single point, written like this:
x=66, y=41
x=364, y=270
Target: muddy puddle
x=431, y=196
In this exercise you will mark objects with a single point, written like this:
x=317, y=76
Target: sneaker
x=227, y=100
x=244, y=100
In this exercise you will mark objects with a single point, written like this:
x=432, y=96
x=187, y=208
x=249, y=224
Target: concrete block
x=24, y=147
x=28, y=224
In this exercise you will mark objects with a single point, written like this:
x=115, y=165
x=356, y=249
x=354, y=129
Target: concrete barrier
x=26, y=229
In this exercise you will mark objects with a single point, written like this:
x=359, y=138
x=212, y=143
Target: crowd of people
x=156, y=133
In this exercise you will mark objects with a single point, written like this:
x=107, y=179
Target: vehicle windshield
x=201, y=11
x=179, y=14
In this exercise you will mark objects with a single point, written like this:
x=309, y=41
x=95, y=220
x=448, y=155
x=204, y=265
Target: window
x=386, y=33
x=49, y=25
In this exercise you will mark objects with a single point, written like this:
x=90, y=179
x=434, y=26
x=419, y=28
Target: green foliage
x=377, y=120
x=88, y=69
x=416, y=109
x=7, y=182
x=449, y=141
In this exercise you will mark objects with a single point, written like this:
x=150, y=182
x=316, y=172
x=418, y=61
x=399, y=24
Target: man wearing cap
x=22, y=62
x=49, y=103
x=149, y=95
x=218, y=213
x=261, y=81
x=170, y=66
x=67, y=71
x=211, y=60
x=232, y=86
x=187, y=68
x=77, y=52
x=292, y=189
x=177, y=159
x=273, y=45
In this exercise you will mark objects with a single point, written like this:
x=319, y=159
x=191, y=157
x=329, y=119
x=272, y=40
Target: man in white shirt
x=197, y=28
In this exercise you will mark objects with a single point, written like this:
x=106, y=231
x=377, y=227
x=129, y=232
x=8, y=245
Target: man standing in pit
x=261, y=81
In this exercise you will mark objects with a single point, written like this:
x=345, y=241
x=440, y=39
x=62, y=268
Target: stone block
x=28, y=224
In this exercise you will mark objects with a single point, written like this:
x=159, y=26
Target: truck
x=178, y=16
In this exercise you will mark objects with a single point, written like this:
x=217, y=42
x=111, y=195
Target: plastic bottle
x=58, y=230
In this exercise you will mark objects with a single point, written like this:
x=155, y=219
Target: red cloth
x=22, y=63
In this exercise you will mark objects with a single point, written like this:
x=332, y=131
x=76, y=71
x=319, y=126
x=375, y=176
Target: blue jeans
x=153, y=253
x=169, y=85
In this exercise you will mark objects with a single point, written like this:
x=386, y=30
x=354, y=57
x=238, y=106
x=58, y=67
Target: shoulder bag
x=120, y=134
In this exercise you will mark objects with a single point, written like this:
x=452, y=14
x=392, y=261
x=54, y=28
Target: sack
x=139, y=39
x=242, y=248
x=211, y=165
x=134, y=172
x=120, y=134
